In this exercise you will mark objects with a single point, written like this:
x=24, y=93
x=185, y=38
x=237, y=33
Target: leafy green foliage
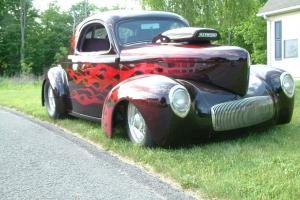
x=44, y=35
x=251, y=35
x=55, y=32
x=48, y=34
x=61, y=55
x=9, y=36
x=235, y=19
x=80, y=11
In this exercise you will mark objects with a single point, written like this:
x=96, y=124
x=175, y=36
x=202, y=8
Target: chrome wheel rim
x=136, y=123
x=51, y=101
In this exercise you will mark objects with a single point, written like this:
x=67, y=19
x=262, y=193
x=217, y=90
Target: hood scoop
x=190, y=35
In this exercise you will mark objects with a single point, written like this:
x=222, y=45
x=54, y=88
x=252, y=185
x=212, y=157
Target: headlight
x=180, y=100
x=287, y=84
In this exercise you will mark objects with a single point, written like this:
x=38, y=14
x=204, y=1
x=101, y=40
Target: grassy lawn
x=261, y=165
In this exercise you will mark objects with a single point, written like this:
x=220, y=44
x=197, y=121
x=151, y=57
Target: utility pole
x=22, y=27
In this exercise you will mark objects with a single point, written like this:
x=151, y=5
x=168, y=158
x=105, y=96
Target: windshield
x=144, y=30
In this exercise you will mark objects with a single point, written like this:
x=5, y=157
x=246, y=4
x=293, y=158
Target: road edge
x=85, y=143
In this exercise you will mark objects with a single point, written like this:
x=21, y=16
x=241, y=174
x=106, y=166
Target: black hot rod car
x=163, y=80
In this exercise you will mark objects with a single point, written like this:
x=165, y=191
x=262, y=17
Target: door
x=93, y=72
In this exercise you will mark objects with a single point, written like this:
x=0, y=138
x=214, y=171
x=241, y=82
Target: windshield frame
x=117, y=25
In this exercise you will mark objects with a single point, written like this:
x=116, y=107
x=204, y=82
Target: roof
x=111, y=17
x=273, y=7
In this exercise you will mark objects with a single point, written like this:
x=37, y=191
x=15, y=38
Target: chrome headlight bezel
x=172, y=94
x=283, y=78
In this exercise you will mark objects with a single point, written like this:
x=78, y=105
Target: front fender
x=284, y=104
x=58, y=81
x=149, y=93
x=270, y=75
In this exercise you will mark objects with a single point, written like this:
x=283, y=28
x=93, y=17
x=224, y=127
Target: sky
x=66, y=4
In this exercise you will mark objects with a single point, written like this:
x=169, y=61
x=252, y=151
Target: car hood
x=223, y=66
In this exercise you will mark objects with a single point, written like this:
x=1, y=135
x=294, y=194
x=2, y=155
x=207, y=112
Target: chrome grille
x=242, y=113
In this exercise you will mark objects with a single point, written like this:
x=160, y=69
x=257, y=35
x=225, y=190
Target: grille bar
x=242, y=113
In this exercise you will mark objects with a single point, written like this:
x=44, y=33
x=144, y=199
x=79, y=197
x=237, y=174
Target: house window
x=291, y=48
x=278, y=40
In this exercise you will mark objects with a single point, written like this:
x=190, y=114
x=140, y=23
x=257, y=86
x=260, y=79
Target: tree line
x=236, y=20
x=32, y=40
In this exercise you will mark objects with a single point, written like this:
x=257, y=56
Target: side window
x=175, y=25
x=89, y=35
x=100, y=33
x=126, y=34
x=93, y=38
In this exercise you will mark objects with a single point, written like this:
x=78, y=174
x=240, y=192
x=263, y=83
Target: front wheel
x=137, y=129
x=54, y=105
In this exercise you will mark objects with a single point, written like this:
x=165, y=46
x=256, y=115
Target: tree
x=251, y=34
x=11, y=36
x=235, y=19
x=80, y=11
x=22, y=28
x=54, y=31
x=30, y=42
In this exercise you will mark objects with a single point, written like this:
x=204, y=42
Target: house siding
x=290, y=30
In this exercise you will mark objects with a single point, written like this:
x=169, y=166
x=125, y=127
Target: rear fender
x=58, y=81
x=149, y=93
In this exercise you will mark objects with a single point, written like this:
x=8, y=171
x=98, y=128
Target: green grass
x=261, y=165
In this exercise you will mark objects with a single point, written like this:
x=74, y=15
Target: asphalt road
x=40, y=161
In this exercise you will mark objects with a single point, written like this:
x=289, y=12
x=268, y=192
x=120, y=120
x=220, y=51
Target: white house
x=283, y=24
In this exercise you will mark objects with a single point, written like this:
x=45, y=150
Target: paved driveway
x=40, y=161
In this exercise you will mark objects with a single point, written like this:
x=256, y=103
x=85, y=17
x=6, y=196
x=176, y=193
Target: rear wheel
x=137, y=129
x=54, y=105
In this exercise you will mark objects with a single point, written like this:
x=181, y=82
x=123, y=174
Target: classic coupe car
x=164, y=80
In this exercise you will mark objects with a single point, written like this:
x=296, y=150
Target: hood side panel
x=225, y=67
